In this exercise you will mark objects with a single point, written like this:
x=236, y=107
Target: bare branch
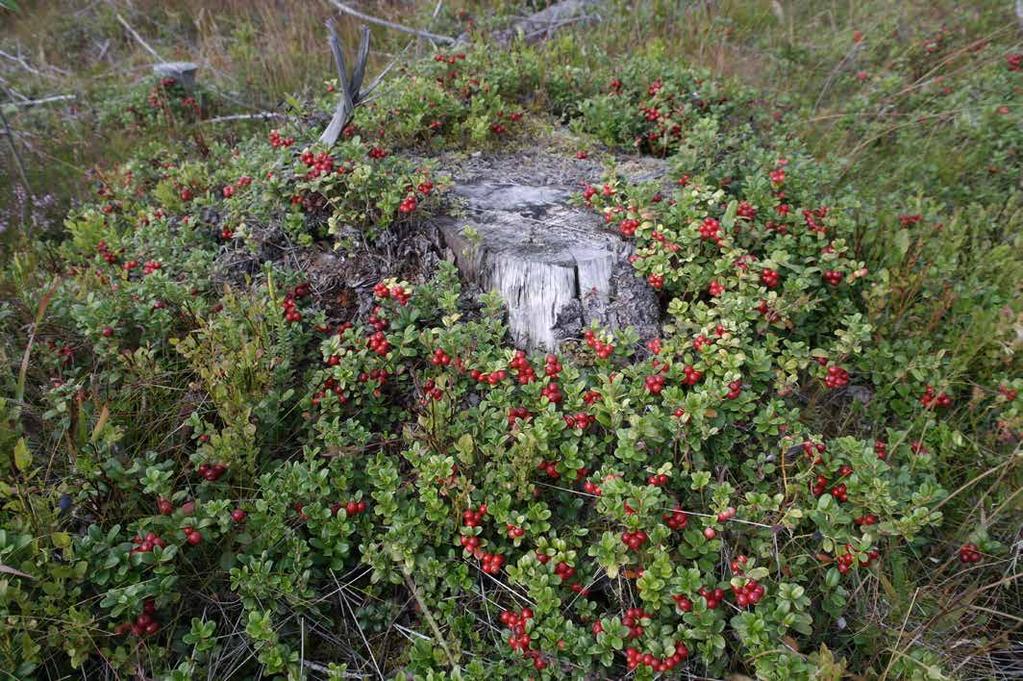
x=359, y=72
x=137, y=37
x=341, y=7
x=45, y=100
x=346, y=101
x=261, y=116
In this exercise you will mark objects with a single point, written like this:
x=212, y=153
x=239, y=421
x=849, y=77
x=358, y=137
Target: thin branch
x=359, y=71
x=44, y=100
x=341, y=7
x=261, y=116
x=346, y=101
x=137, y=37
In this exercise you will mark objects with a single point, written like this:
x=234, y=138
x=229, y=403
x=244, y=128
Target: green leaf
x=22, y=456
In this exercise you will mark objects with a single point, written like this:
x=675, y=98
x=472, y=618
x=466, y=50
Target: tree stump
x=556, y=266
x=181, y=71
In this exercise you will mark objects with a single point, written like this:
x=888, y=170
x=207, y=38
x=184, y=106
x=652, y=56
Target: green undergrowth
x=219, y=466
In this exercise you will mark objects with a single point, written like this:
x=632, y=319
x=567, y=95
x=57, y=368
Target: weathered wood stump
x=181, y=71
x=556, y=266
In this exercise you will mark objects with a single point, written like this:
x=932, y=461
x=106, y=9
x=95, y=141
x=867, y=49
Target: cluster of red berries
x=814, y=451
x=748, y=594
x=290, y=304
x=564, y=571
x=514, y=531
x=969, y=553
x=377, y=153
x=192, y=536
x=352, y=508
x=279, y=142
x=657, y=480
x=712, y=597
x=727, y=514
x=520, y=640
x=1008, y=393
x=212, y=472
x=593, y=488
x=676, y=519
x=332, y=385
x=440, y=358
x=408, y=204
x=552, y=367
x=550, y=468
x=635, y=540
x=734, y=389
x=715, y=289
x=865, y=520
x=379, y=375
x=397, y=292
x=833, y=277
x=710, y=230
x=318, y=164
x=147, y=543
x=819, y=486
x=690, y=375
x=431, y=390
x=164, y=506
x=746, y=211
x=474, y=517
x=145, y=624
x=770, y=278
x=846, y=560
x=654, y=384
x=151, y=266
x=932, y=400
x=516, y=413
x=552, y=392
x=1014, y=61
x=628, y=227
x=635, y=658
x=523, y=369
x=836, y=377
x=881, y=449
x=580, y=420
x=105, y=253
x=491, y=563
x=449, y=59
x=378, y=343
x=603, y=350
x=682, y=602
x=634, y=621
x=491, y=378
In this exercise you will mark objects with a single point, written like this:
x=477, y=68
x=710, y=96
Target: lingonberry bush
x=223, y=469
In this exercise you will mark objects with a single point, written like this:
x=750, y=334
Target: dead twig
x=44, y=100
x=134, y=34
x=342, y=7
x=261, y=116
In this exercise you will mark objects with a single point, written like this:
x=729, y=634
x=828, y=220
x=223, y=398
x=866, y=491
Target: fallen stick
x=341, y=7
x=45, y=100
x=261, y=116
x=137, y=37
